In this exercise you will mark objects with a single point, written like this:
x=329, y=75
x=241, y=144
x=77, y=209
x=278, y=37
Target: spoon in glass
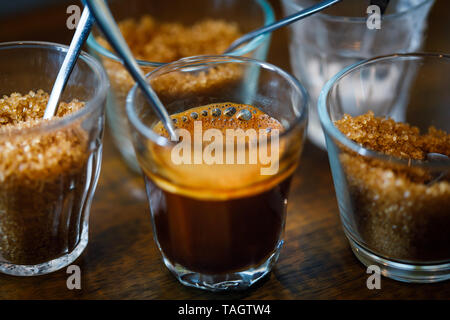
x=435, y=157
x=111, y=31
x=80, y=36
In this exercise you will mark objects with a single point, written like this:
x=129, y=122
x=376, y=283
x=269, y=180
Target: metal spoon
x=80, y=36
x=112, y=33
x=435, y=157
x=293, y=18
x=281, y=23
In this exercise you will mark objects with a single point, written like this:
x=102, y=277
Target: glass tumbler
x=219, y=225
x=325, y=43
x=395, y=211
x=247, y=14
x=48, y=172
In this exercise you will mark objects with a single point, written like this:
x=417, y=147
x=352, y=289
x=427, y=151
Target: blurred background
x=23, y=6
x=20, y=18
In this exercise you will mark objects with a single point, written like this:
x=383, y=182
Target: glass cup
x=324, y=44
x=48, y=172
x=218, y=226
x=248, y=14
x=393, y=214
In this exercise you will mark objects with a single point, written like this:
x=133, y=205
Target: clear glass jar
x=48, y=171
x=248, y=14
x=323, y=44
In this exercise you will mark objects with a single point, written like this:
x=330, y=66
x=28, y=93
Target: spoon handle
x=112, y=33
x=80, y=36
x=281, y=23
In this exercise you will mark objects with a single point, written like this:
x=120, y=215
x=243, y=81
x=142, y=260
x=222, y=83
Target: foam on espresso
x=222, y=116
x=216, y=181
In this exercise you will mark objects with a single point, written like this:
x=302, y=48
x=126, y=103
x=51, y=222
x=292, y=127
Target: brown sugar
x=178, y=85
x=41, y=180
x=155, y=41
x=166, y=42
x=393, y=138
x=397, y=212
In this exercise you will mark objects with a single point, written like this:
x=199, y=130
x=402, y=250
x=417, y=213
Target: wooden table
x=123, y=262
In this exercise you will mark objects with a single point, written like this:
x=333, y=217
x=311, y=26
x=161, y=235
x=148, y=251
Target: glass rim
x=197, y=61
x=331, y=130
x=347, y=19
x=90, y=106
x=269, y=18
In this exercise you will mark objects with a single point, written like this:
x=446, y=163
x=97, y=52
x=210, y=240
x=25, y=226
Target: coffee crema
x=217, y=218
x=220, y=181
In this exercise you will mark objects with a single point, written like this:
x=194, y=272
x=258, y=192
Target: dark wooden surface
x=123, y=262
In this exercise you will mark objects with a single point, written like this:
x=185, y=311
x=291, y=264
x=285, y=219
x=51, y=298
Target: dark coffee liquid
x=216, y=236
x=219, y=236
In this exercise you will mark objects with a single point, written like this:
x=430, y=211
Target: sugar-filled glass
x=45, y=202
x=247, y=14
x=394, y=213
x=219, y=226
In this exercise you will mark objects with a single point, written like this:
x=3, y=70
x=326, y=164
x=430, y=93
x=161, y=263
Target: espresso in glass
x=213, y=227
x=218, y=194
